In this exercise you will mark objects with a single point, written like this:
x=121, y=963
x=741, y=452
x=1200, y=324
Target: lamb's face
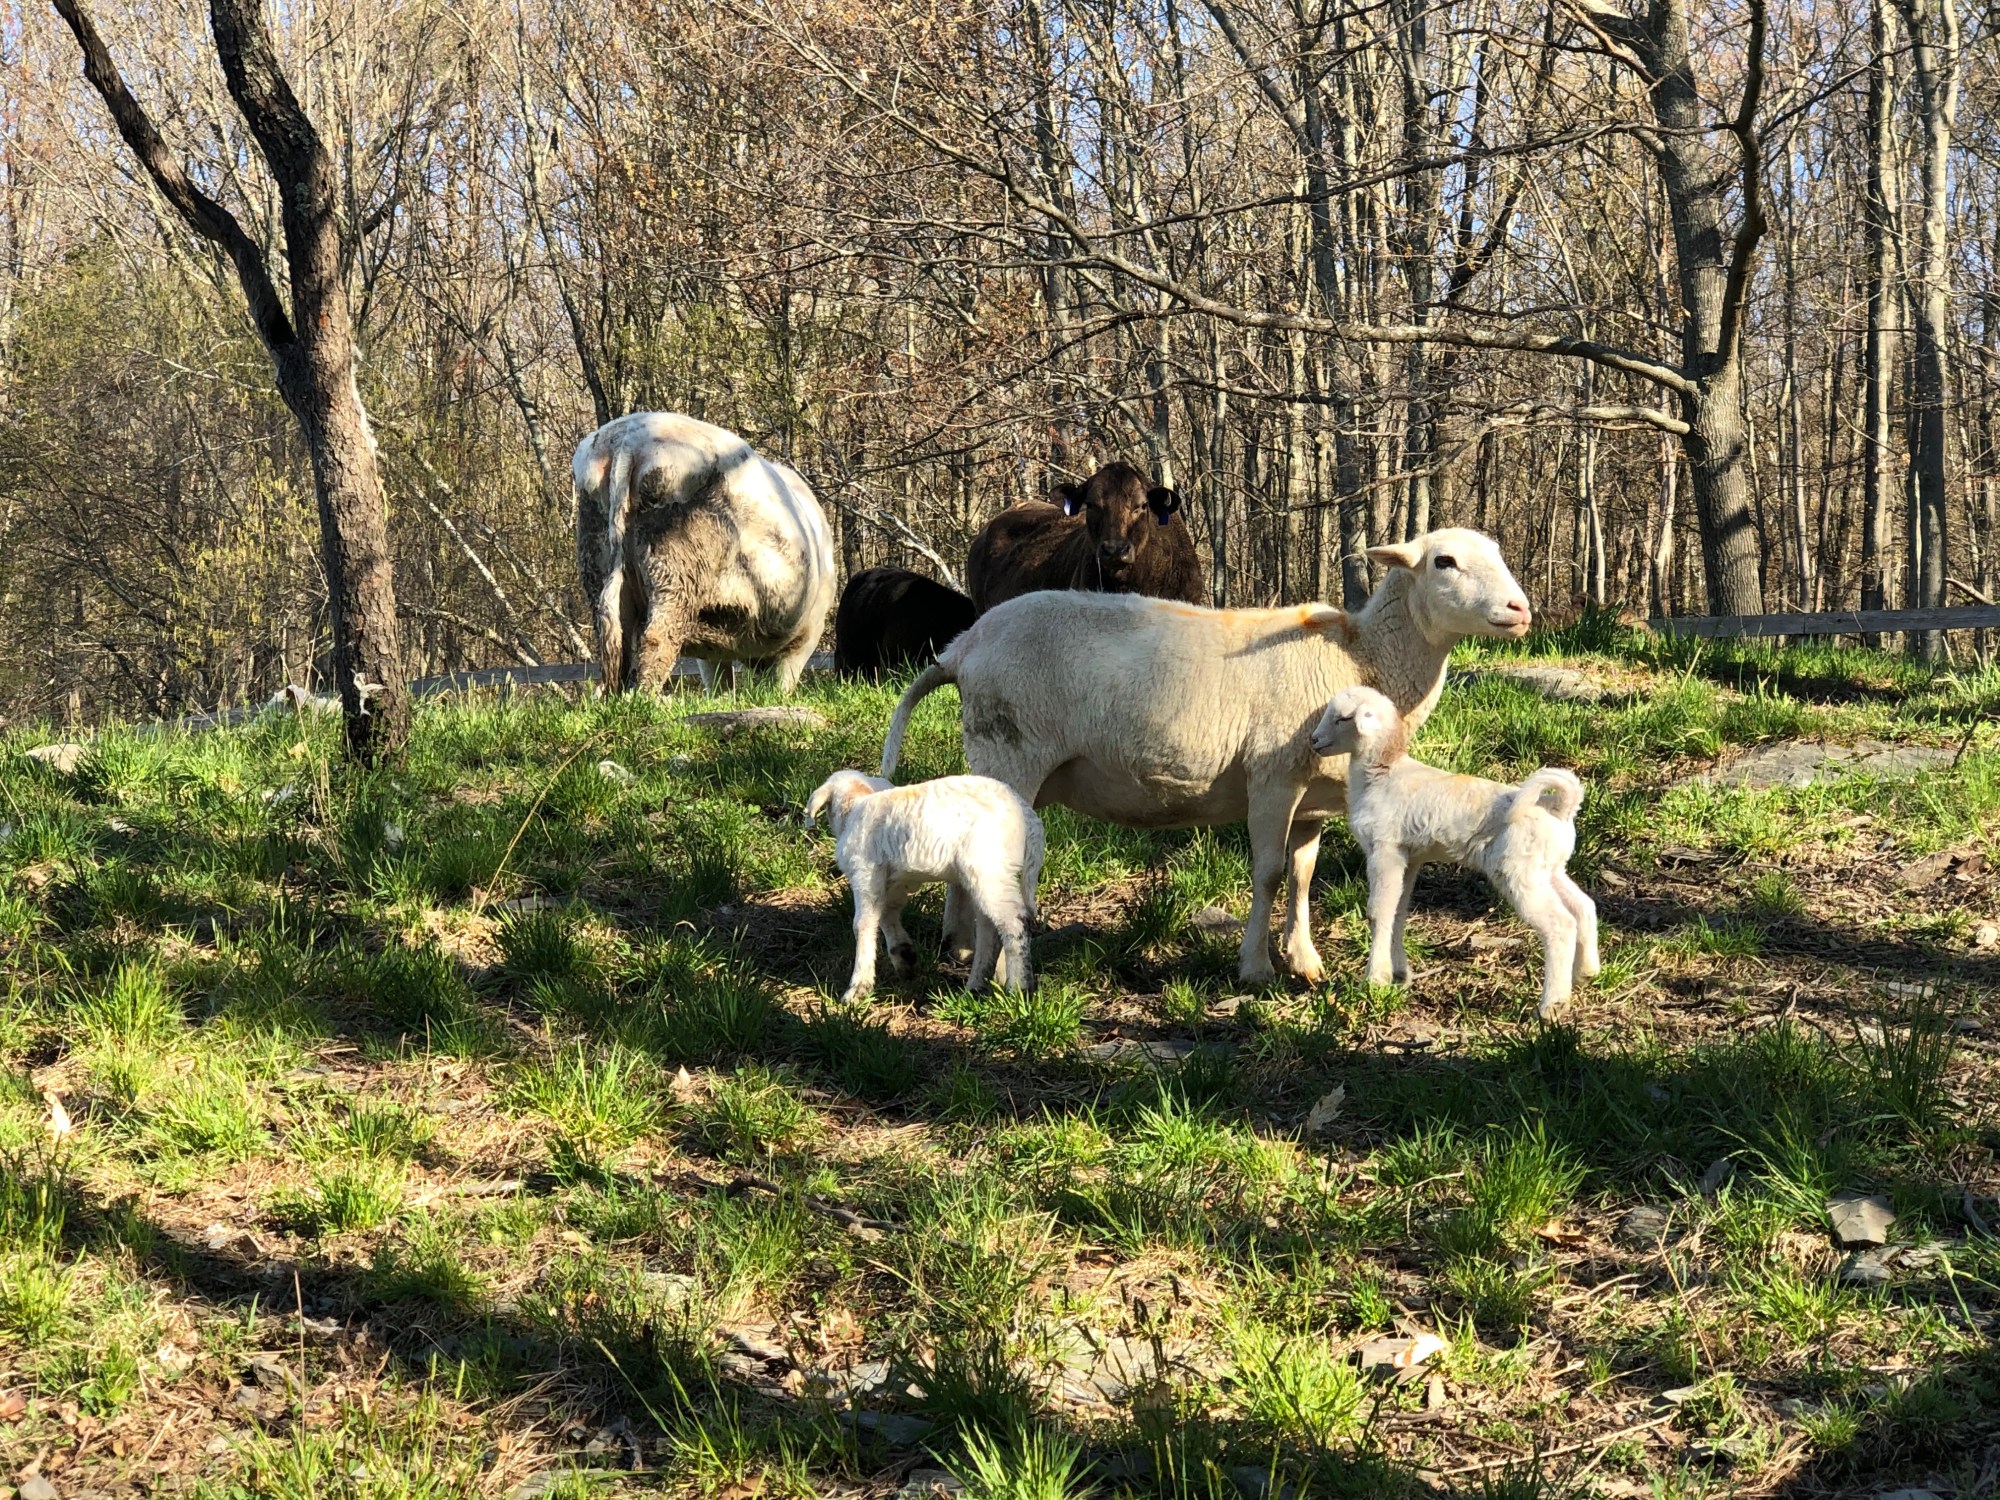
x=1462, y=585
x=837, y=795
x=1356, y=720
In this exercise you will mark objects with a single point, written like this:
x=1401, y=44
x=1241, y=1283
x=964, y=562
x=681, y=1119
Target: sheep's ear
x=816, y=804
x=1396, y=555
x=1069, y=497
x=1163, y=502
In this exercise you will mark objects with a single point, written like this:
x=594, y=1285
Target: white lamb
x=1406, y=815
x=976, y=833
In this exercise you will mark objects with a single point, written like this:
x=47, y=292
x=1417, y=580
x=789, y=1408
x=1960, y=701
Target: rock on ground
x=736, y=720
x=1558, y=684
x=1804, y=763
x=62, y=759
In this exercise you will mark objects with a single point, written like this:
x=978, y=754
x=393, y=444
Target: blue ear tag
x=1163, y=517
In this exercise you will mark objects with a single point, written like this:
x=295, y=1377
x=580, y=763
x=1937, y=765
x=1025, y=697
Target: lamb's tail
x=928, y=681
x=1554, y=791
x=610, y=601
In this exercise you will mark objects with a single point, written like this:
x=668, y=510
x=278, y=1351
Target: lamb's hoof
x=856, y=992
x=902, y=961
x=1548, y=1009
x=1310, y=969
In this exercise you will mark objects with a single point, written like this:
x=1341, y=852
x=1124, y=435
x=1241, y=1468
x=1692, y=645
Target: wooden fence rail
x=1836, y=622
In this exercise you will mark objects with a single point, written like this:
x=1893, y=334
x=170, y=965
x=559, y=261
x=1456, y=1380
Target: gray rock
x=1719, y=1171
x=1909, y=1495
x=1216, y=922
x=893, y=1428
x=737, y=720
x=1795, y=763
x=614, y=773
x=62, y=758
x=854, y=1382
x=669, y=1288
x=1860, y=1219
x=1866, y=1268
x=1642, y=1228
x=931, y=1484
x=1558, y=684
x=270, y=1374
x=35, y=1487
x=1157, y=1051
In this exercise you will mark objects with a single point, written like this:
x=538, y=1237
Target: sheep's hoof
x=856, y=992
x=902, y=961
x=1311, y=970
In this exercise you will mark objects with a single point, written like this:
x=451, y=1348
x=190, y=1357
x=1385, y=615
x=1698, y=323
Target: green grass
x=530, y=1072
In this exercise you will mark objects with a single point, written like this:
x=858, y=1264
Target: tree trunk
x=1711, y=351
x=1880, y=357
x=311, y=347
x=1934, y=56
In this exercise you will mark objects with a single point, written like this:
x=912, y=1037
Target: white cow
x=1164, y=715
x=689, y=540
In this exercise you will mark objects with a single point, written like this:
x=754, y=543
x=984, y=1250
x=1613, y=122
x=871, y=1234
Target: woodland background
x=1339, y=272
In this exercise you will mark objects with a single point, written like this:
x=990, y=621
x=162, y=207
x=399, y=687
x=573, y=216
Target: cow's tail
x=610, y=601
x=928, y=681
x=1554, y=791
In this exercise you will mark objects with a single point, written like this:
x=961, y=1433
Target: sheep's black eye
x=1445, y=562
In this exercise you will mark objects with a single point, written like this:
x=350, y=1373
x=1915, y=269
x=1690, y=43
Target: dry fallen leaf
x=1556, y=1233
x=1327, y=1110
x=12, y=1404
x=58, y=1124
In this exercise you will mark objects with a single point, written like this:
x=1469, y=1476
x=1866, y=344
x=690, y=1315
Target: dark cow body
x=1113, y=535
x=891, y=617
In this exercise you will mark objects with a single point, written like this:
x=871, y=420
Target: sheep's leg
x=791, y=662
x=1002, y=926
x=902, y=951
x=1585, y=911
x=959, y=922
x=1542, y=909
x=870, y=889
x=1403, y=921
x=984, y=946
x=1270, y=824
x=1388, y=880
x=1302, y=851
x=659, y=647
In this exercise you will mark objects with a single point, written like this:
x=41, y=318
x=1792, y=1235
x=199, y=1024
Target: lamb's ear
x=817, y=803
x=1069, y=497
x=1163, y=502
x=1396, y=555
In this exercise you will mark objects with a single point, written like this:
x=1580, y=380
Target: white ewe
x=1406, y=815
x=1157, y=714
x=974, y=832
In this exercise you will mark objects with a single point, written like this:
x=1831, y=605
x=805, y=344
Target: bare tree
x=1932, y=26
x=311, y=346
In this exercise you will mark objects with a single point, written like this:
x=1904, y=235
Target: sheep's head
x=1460, y=585
x=839, y=792
x=1121, y=511
x=1360, y=721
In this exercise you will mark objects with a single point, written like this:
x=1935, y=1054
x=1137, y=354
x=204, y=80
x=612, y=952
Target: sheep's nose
x=1518, y=608
x=1116, y=550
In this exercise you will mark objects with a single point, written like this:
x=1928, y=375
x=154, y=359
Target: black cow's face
x=1120, y=510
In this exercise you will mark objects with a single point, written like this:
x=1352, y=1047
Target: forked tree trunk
x=311, y=345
